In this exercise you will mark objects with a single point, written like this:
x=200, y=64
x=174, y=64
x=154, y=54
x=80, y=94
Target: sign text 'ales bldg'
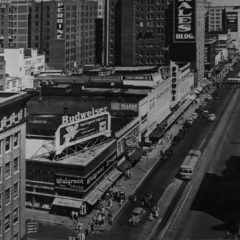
x=184, y=21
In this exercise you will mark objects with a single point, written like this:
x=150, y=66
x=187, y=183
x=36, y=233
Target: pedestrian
x=76, y=215
x=110, y=203
x=73, y=214
x=86, y=232
x=92, y=226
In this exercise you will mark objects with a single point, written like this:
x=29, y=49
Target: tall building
x=2, y=73
x=186, y=34
x=12, y=164
x=135, y=32
x=14, y=23
x=65, y=31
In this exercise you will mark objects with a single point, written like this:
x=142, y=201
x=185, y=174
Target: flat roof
x=7, y=97
x=36, y=150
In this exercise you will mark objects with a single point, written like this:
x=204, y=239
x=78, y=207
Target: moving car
x=137, y=215
x=211, y=117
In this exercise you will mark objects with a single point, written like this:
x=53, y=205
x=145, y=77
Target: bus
x=189, y=164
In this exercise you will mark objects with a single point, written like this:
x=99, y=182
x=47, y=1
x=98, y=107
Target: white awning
x=113, y=176
x=94, y=196
x=67, y=202
x=104, y=185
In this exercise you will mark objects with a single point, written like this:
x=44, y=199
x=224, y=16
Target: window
x=0, y=227
x=15, y=215
x=0, y=202
x=16, y=139
x=7, y=222
x=7, y=196
x=7, y=169
x=1, y=146
x=16, y=164
x=15, y=237
x=15, y=189
x=7, y=144
x=0, y=173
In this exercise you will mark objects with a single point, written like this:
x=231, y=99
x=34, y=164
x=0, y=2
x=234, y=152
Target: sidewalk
x=138, y=173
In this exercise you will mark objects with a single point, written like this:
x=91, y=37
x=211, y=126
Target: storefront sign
x=118, y=106
x=60, y=17
x=232, y=21
x=5, y=3
x=184, y=21
x=131, y=141
x=32, y=227
x=82, y=127
x=83, y=183
x=9, y=121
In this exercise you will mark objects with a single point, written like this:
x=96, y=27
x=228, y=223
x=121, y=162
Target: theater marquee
x=82, y=127
x=184, y=21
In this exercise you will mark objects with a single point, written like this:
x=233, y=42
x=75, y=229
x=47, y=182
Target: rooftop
x=37, y=150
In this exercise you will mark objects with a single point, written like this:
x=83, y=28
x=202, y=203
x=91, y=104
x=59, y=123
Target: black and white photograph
x=119, y=119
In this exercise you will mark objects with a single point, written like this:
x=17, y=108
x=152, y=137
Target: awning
x=114, y=175
x=94, y=196
x=67, y=202
x=135, y=156
x=124, y=166
x=157, y=133
x=105, y=185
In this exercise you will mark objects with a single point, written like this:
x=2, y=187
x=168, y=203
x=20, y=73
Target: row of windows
x=7, y=222
x=10, y=142
x=7, y=195
x=8, y=167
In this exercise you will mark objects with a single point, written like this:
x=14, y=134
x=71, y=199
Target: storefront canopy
x=114, y=175
x=67, y=202
x=94, y=196
x=124, y=166
x=105, y=185
x=135, y=156
x=157, y=133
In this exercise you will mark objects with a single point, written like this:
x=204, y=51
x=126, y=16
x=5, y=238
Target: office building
x=135, y=32
x=12, y=165
x=186, y=41
x=65, y=31
x=14, y=23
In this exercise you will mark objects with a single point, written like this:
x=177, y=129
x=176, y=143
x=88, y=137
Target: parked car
x=190, y=120
x=137, y=215
x=211, y=117
x=205, y=113
x=195, y=115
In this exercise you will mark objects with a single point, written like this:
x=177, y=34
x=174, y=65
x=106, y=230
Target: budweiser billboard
x=82, y=127
x=184, y=30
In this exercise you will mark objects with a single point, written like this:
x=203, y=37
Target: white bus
x=189, y=164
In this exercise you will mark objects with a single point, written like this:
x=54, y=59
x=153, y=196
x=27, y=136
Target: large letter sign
x=184, y=21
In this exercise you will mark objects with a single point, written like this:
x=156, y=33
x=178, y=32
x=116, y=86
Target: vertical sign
x=184, y=30
x=232, y=21
x=60, y=8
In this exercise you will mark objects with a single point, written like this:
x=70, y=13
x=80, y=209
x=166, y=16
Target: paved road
x=156, y=183
x=216, y=205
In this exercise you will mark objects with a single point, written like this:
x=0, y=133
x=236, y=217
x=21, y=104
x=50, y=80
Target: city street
x=214, y=207
x=198, y=135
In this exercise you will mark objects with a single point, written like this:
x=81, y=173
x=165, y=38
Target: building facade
x=65, y=31
x=186, y=40
x=27, y=62
x=12, y=165
x=14, y=24
x=141, y=39
x=2, y=73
